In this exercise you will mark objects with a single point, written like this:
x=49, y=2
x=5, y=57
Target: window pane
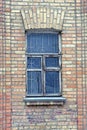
x=42, y=43
x=34, y=82
x=33, y=62
x=52, y=61
x=52, y=82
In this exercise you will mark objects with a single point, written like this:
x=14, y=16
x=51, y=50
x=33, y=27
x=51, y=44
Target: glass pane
x=33, y=62
x=42, y=43
x=52, y=82
x=52, y=61
x=34, y=82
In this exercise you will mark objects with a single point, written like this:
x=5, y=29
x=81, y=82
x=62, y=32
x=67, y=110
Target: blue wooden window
x=43, y=64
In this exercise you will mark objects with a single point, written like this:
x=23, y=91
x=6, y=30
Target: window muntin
x=43, y=64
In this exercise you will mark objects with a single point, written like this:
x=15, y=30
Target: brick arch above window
x=43, y=17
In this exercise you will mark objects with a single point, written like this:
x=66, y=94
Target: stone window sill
x=44, y=100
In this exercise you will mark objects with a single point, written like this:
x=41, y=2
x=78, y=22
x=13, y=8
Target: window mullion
x=43, y=74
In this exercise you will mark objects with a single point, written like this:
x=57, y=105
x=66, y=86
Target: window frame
x=43, y=66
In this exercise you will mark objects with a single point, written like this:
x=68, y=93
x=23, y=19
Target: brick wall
x=5, y=84
x=81, y=13
x=14, y=113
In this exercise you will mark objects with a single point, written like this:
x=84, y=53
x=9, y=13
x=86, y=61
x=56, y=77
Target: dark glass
x=33, y=62
x=52, y=82
x=52, y=61
x=34, y=82
x=42, y=43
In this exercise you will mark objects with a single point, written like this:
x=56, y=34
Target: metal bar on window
x=53, y=94
x=52, y=69
x=32, y=55
x=34, y=69
x=60, y=43
x=43, y=71
x=41, y=54
x=60, y=75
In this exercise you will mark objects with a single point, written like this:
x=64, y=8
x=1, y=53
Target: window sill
x=44, y=100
